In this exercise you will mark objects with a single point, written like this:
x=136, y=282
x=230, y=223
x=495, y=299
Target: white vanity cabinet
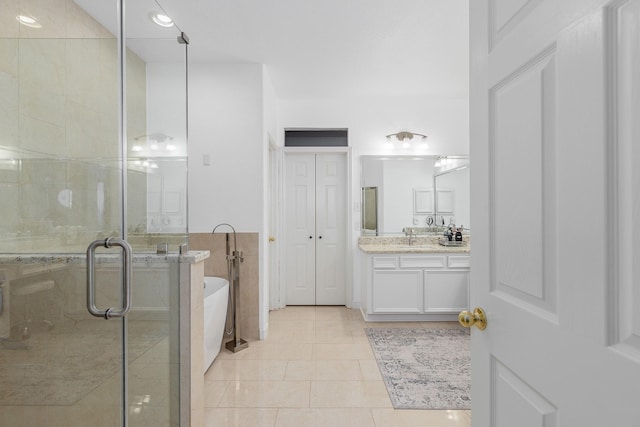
x=419, y=287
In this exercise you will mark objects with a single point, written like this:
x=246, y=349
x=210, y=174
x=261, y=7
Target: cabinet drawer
x=385, y=262
x=425, y=261
x=459, y=261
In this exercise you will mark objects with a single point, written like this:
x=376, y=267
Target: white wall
x=225, y=123
x=444, y=120
x=231, y=115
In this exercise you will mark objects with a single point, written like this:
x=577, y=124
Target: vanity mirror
x=417, y=191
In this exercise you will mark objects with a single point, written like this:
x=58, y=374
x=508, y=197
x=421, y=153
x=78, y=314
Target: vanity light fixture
x=153, y=142
x=28, y=21
x=441, y=161
x=404, y=137
x=162, y=20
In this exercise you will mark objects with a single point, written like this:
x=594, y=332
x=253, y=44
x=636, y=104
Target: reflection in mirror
x=406, y=196
x=453, y=197
x=370, y=211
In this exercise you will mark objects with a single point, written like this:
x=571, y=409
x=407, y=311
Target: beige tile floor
x=315, y=369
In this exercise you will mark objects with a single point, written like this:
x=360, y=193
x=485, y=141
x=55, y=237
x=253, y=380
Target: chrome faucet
x=411, y=234
x=235, y=254
x=234, y=258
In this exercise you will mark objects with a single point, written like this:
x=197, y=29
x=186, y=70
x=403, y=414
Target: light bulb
x=162, y=20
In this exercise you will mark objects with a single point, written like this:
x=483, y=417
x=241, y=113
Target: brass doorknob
x=478, y=318
x=272, y=239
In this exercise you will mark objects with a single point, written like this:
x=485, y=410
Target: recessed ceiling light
x=28, y=21
x=162, y=20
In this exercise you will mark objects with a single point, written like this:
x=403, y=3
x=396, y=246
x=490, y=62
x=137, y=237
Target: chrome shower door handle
x=126, y=279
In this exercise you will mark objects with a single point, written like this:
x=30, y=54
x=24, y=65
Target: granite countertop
x=400, y=245
x=192, y=257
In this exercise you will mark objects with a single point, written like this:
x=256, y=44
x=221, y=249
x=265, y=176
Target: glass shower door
x=78, y=99
x=156, y=208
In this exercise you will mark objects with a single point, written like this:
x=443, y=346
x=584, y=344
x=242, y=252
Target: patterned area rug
x=424, y=368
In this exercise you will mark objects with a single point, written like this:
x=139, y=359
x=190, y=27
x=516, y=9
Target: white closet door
x=300, y=250
x=315, y=229
x=330, y=228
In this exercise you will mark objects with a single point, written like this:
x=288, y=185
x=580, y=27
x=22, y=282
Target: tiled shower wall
x=216, y=265
x=59, y=128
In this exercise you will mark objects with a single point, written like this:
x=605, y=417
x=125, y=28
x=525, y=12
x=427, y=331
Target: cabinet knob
x=311, y=237
x=272, y=239
x=319, y=237
x=477, y=318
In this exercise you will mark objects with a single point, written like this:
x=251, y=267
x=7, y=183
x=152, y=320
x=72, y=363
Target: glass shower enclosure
x=93, y=140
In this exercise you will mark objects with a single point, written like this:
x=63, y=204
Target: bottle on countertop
x=448, y=233
x=459, y=234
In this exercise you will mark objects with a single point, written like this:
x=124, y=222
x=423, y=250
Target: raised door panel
x=397, y=291
x=446, y=291
x=522, y=110
x=517, y=404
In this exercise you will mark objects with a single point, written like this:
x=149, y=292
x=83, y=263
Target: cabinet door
x=397, y=291
x=446, y=291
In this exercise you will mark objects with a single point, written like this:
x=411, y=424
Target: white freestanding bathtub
x=216, y=297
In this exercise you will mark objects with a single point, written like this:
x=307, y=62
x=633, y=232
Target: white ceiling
x=336, y=48
x=314, y=48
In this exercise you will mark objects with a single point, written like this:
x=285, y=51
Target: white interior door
x=300, y=213
x=331, y=229
x=555, y=102
x=315, y=229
